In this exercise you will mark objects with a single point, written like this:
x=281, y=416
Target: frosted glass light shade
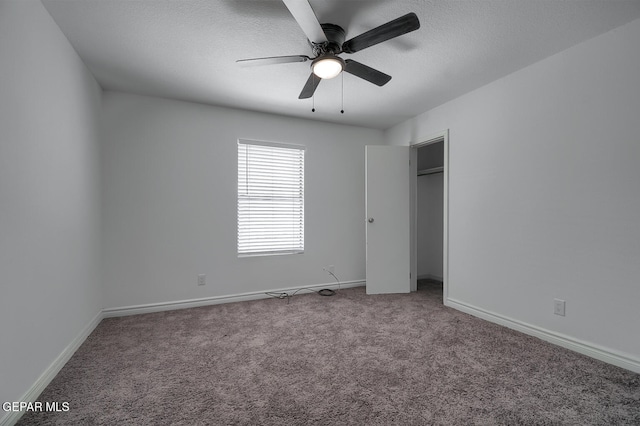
x=327, y=67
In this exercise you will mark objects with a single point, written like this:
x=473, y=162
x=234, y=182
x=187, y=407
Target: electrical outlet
x=202, y=279
x=558, y=307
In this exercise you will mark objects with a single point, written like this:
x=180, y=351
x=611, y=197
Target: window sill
x=262, y=254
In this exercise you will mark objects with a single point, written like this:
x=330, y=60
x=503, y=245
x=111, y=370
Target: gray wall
x=429, y=226
x=49, y=195
x=544, y=202
x=169, y=201
x=430, y=156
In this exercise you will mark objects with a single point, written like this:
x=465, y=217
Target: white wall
x=544, y=184
x=49, y=195
x=429, y=198
x=169, y=201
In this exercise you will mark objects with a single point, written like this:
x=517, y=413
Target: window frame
x=295, y=247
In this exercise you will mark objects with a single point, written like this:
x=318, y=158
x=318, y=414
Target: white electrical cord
x=333, y=275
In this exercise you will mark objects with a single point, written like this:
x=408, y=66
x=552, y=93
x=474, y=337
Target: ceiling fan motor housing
x=335, y=38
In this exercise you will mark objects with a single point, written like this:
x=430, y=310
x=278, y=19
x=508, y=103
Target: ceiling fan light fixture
x=327, y=66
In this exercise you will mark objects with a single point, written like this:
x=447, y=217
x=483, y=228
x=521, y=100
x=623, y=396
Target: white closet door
x=388, y=219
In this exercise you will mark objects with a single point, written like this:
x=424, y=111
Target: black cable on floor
x=323, y=292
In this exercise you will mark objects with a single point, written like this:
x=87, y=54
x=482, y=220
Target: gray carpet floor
x=349, y=359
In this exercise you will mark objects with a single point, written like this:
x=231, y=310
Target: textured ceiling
x=186, y=49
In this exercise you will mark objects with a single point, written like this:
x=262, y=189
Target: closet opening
x=429, y=216
x=429, y=161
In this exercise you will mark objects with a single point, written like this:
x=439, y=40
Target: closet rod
x=430, y=171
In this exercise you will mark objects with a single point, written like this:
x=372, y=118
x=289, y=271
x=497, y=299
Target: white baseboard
x=214, y=300
x=589, y=349
x=50, y=372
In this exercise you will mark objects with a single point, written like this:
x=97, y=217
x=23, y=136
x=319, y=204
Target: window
x=270, y=198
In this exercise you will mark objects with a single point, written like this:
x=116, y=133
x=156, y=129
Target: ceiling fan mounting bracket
x=335, y=38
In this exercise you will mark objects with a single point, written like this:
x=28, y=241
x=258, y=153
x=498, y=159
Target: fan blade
x=272, y=60
x=306, y=18
x=367, y=73
x=384, y=32
x=310, y=86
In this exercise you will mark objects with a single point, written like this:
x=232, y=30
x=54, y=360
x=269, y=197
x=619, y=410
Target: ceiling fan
x=327, y=42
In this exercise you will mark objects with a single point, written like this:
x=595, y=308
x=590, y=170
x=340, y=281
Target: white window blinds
x=270, y=198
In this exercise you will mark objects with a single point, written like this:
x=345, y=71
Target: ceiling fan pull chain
x=313, y=97
x=342, y=110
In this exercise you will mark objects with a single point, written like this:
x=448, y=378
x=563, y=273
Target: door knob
x=370, y=220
